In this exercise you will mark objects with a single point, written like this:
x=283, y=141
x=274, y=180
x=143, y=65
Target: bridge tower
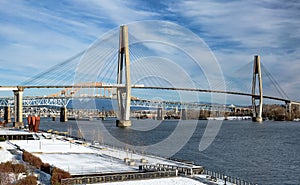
x=63, y=114
x=18, y=107
x=160, y=113
x=288, y=105
x=257, y=111
x=7, y=117
x=123, y=92
x=184, y=113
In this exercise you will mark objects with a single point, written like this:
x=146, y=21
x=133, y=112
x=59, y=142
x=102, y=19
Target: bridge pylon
x=160, y=113
x=123, y=93
x=292, y=109
x=7, y=117
x=184, y=113
x=257, y=111
x=63, y=114
x=18, y=107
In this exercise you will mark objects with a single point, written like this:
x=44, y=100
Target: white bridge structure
x=121, y=89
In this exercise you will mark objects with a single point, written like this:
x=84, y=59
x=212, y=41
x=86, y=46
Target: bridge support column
x=18, y=101
x=257, y=111
x=7, y=117
x=184, y=114
x=297, y=111
x=63, y=114
x=124, y=93
x=288, y=107
x=160, y=113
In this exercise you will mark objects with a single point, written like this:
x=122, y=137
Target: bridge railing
x=217, y=175
x=36, y=101
x=63, y=101
x=117, y=177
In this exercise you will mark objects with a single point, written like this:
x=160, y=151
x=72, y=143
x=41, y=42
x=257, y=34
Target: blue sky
x=36, y=35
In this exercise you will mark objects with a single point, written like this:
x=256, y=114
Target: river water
x=266, y=153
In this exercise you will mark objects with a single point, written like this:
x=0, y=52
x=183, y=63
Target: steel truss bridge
x=58, y=102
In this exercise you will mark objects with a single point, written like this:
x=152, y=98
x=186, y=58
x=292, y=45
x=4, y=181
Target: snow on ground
x=81, y=159
x=164, y=181
x=85, y=163
x=51, y=146
x=4, y=154
x=230, y=118
x=121, y=154
x=74, y=158
x=207, y=178
x=5, y=131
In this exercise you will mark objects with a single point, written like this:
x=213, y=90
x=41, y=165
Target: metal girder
x=63, y=101
x=36, y=101
x=6, y=101
x=179, y=105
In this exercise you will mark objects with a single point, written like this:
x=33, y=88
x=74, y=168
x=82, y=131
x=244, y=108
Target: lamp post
x=225, y=178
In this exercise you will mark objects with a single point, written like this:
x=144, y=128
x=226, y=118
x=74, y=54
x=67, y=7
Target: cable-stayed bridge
x=59, y=99
x=138, y=69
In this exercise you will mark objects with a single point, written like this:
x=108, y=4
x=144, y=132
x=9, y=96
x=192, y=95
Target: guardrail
x=117, y=177
x=181, y=169
x=216, y=175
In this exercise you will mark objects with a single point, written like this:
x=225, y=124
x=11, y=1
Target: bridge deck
x=7, y=88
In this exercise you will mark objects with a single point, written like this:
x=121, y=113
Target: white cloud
x=39, y=34
x=121, y=12
x=247, y=22
x=238, y=30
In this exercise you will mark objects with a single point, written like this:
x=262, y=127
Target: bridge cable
x=153, y=70
x=238, y=79
x=51, y=73
x=145, y=70
x=274, y=82
x=93, y=63
x=142, y=70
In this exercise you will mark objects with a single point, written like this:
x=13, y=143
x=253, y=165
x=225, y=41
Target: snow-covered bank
x=5, y=155
x=80, y=158
x=165, y=181
x=230, y=118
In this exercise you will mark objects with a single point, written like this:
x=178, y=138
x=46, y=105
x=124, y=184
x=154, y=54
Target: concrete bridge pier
x=7, y=115
x=288, y=108
x=160, y=113
x=297, y=110
x=124, y=93
x=63, y=114
x=18, y=101
x=184, y=114
x=257, y=111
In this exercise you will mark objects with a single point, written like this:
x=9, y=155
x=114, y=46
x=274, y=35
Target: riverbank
x=264, y=153
x=84, y=159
